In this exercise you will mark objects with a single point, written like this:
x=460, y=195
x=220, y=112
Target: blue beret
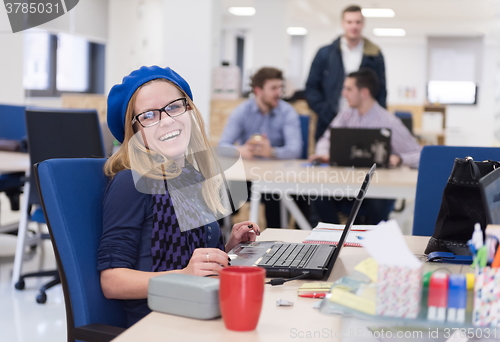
x=120, y=94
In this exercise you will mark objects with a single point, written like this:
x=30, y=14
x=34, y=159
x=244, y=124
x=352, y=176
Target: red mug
x=240, y=293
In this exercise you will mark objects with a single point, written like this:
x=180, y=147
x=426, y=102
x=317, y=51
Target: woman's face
x=170, y=136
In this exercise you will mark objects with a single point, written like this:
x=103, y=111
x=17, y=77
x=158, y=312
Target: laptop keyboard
x=288, y=255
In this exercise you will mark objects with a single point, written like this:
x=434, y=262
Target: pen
x=255, y=231
x=482, y=256
x=492, y=243
x=496, y=260
x=312, y=295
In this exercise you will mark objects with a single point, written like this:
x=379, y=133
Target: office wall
x=135, y=31
x=88, y=19
x=11, y=63
x=11, y=68
x=180, y=34
x=406, y=65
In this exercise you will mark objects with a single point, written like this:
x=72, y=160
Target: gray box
x=185, y=295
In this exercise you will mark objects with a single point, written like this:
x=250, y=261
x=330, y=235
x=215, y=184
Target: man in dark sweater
x=333, y=62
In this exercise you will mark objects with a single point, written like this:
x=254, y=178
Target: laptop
x=288, y=260
x=360, y=147
x=489, y=186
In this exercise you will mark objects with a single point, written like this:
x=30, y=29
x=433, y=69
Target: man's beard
x=270, y=104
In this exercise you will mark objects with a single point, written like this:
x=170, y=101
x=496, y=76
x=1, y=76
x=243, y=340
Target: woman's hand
x=241, y=232
x=205, y=261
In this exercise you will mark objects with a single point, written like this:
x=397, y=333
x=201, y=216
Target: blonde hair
x=134, y=155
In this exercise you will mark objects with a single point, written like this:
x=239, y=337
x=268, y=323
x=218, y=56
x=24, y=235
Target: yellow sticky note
x=369, y=268
x=318, y=286
x=352, y=301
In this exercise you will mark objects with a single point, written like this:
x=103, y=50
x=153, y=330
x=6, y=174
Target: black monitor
x=490, y=191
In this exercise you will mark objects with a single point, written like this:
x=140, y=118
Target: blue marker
x=457, y=298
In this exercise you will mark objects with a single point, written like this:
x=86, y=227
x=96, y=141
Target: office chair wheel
x=20, y=285
x=41, y=298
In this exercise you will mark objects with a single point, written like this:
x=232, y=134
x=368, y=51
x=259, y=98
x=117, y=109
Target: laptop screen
x=352, y=216
x=490, y=190
x=360, y=147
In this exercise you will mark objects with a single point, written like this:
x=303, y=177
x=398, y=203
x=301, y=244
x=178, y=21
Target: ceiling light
x=296, y=31
x=378, y=12
x=242, y=11
x=389, y=32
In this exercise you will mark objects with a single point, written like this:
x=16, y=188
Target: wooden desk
x=14, y=162
x=276, y=323
x=292, y=177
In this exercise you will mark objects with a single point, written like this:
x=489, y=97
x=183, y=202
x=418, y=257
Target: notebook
x=328, y=233
x=360, y=147
x=287, y=260
x=489, y=186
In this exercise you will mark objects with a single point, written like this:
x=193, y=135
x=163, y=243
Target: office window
x=36, y=61
x=72, y=63
x=57, y=63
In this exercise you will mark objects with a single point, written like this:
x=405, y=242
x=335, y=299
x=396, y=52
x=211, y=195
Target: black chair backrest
x=61, y=133
x=407, y=120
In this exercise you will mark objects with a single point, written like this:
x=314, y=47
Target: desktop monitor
x=490, y=191
x=452, y=92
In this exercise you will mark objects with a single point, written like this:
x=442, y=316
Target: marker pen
x=313, y=295
x=438, y=296
x=457, y=298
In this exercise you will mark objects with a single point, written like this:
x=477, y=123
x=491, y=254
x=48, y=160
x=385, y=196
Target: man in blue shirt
x=265, y=127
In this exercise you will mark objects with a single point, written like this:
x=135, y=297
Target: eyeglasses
x=153, y=116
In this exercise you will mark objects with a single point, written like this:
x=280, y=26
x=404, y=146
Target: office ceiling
x=447, y=17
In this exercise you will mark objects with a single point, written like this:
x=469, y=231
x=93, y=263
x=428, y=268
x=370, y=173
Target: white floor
x=22, y=319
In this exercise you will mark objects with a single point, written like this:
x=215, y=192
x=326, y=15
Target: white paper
x=333, y=226
x=329, y=232
x=387, y=246
x=432, y=122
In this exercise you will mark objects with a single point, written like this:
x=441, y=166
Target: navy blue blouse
x=126, y=236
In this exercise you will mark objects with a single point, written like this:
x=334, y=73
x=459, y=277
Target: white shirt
x=351, y=59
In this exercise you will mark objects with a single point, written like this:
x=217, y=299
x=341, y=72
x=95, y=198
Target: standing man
x=265, y=127
x=332, y=63
x=360, y=91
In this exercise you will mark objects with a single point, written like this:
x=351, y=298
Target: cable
x=281, y=281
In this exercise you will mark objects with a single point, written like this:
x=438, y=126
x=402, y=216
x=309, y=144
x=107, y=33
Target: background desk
x=291, y=177
x=276, y=323
x=14, y=162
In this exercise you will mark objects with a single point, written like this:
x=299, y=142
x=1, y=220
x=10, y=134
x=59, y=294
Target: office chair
x=304, y=129
x=12, y=127
x=434, y=169
x=72, y=192
x=407, y=120
x=53, y=133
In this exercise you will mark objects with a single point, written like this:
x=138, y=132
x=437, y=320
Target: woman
x=160, y=208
